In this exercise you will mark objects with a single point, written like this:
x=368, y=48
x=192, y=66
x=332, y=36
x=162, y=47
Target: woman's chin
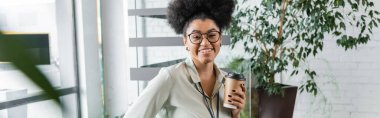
x=206, y=60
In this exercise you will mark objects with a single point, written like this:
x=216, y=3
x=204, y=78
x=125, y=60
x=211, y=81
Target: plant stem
x=280, y=33
x=280, y=30
x=271, y=79
x=263, y=47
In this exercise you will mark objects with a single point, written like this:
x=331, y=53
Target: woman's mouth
x=206, y=50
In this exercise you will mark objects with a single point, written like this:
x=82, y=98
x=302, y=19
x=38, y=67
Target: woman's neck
x=207, y=75
x=205, y=71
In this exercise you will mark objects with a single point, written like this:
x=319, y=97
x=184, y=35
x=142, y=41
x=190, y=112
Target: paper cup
x=232, y=82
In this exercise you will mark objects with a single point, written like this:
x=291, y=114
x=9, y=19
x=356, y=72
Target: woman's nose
x=205, y=40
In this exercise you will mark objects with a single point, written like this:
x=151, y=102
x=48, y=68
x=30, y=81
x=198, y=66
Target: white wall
x=348, y=80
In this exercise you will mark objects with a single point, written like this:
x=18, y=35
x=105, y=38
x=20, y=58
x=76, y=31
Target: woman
x=193, y=88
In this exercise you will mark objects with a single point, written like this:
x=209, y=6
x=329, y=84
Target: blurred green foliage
x=17, y=55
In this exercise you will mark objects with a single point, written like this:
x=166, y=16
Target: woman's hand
x=238, y=99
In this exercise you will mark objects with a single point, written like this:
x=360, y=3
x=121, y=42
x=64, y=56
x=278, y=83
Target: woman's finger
x=239, y=93
x=236, y=99
x=238, y=104
x=243, y=87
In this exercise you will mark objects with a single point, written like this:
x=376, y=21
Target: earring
x=187, y=48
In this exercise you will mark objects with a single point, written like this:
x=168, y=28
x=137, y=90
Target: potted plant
x=278, y=35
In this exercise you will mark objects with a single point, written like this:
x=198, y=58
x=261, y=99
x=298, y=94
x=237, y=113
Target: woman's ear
x=184, y=40
x=221, y=40
x=184, y=43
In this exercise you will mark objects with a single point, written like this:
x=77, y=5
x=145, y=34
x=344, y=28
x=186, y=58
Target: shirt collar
x=194, y=73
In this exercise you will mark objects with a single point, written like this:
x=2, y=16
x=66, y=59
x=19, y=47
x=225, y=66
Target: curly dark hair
x=181, y=12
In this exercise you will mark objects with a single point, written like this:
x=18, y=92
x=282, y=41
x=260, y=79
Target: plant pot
x=274, y=106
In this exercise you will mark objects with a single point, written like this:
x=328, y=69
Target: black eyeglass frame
x=206, y=37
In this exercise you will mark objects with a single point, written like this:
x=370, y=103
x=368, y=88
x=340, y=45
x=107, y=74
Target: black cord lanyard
x=209, y=104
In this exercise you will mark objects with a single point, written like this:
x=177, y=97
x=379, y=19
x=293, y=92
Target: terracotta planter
x=274, y=106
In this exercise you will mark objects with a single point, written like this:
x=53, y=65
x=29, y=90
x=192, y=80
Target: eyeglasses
x=212, y=37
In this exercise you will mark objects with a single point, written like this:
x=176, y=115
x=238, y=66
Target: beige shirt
x=173, y=93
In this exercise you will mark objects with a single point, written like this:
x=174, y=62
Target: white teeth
x=206, y=50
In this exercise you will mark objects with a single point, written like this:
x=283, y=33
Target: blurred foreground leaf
x=19, y=58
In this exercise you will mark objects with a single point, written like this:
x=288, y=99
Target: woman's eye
x=196, y=37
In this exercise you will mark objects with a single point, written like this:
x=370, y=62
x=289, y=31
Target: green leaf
x=370, y=13
x=302, y=87
x=235, y=64
x=363, y=2
x=342, y=25
x=339, y=15
x=377, y=12
x=343, y=3
x=296, y=64
x=337, y=33
x=25, y=63
x=374, y=23
x=354, y=7
x=363, y=17
x=363, y=28
x=349, y=2
x=371, y=4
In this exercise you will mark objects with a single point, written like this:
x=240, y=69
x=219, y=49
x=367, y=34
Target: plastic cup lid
x=236, y=76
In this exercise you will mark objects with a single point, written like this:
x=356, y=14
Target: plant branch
x=261, y=45
x=281, y=29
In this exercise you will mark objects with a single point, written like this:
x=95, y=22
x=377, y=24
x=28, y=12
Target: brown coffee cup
x=233, y=81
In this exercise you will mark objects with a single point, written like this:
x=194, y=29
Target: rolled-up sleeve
x=151, y=100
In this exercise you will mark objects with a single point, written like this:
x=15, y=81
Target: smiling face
x=205, y=51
